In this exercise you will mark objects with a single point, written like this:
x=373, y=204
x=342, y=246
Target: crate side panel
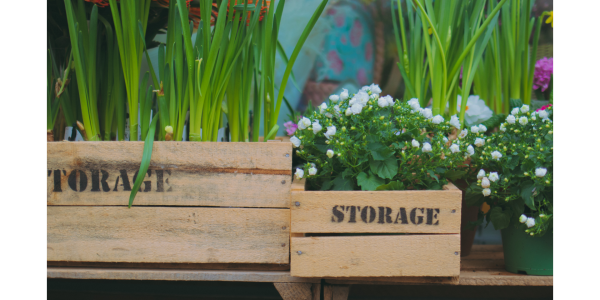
x=168, y=234
x=376, y=212
x=376, y=256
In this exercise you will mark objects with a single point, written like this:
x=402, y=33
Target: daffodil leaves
x=386, y=169
x=369, y=182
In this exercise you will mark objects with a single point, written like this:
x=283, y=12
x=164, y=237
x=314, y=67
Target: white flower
x=523, y=218
x=479, y=142
x=474, y=129
x=454, y=121
x=312, y=171
x=356, y=108
x=330, y=153
x=334, y=98
x=494, y=176
x=482, y=128
x=296, y=141
x=515, y=111
x=169, y=129
x=299, y=173
x=502, y=127
x=361, y=97
x=543, y=114
x=337, y=110
x=525, y=108
x=463, y=133
x=415, y=143
x=427, y=113
x=445, y=139
x=485, y=182
x=486, y=192
x=316, y=126
x=426, y=147
x=454, y=148
x=322, y=107
x=348, y=111
x=414, y=104
x=530, y=222
x=481, y=174
x=540, y=172
x=344, y=95
x=437, y=119
x=328, y=115
x=511, y=119
x=523, y=121
x=382, y=102
x=496, y=155
x=389, y=100
x=303, y=123
x=476, y=111
x=470, y=150
x=375, y=89
x=330, y=132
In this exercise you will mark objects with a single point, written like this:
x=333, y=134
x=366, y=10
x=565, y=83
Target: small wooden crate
x=199, y=203
x=430, y=221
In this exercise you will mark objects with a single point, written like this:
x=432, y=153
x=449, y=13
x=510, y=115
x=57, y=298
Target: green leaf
x=453, y=175
x=527, y=195
x=327, y=184
x=392, y=186
x=499, y=218
x=347, y=173
x=515, y=103
x=398, y=146
x=432, y=174
x=474, y=195
x=369, y=182
x=343, y=184
x=147, y=155
x=387, y=168
x=382, y=154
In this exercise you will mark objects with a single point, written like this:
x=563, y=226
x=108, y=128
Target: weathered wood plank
x=180, y=174
x=502, y=278
x=168, y=234
x=377, y=212
x=407, y=280
x=175, y=266
x=297, y=291
x=336, y=292
x=379, y=256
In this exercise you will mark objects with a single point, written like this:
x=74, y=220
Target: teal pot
x=524, y=254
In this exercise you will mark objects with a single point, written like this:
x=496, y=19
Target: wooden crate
x=199, y=203
x=429, y=221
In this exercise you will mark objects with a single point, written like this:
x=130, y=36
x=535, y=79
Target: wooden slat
x=376, y=212
x=501, y=277
x=174, y=266
x=181, y=174
x=178, y=275
x=168, y=234
x=407, y=280
x=297, y=291
x=379, y=256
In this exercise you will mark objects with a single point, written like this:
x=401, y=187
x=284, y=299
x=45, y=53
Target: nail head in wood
x=299, y=252
x=454, y=211
x=297, y=203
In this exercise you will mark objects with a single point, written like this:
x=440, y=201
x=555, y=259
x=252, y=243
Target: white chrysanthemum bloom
x=295, y=141
x=454, y=148
x=523, y=218
x=330, y=153
x=515, y=111
x=312, y=171
x=389, y=100
x=322, y=107
x=356, y=108
x=479, y=142
x=494, y=176
x=482, y=128
x=454, y=121
x=511, y=119
x=375, y=89
x=334, y=98
x=426, y=147
x=474, y=129
x=523, y=121
x=540, y=172
x=486, y=192
x=463, y=133
x=344, y=95
x=414, y=104
x=481, y=174
x=470, y=150
x=382, y=102
x=445, y=139
x=303, y=123
x=415, y=143
x=316, y=126
x=330, y=132
x=169, y=129
x=502, y=127
x=427, y=113
x=437, y=119
x=525, y=108
x=543, y=114
x=485, y=182
x=530, y=222
x=496, y=155
x=348, y=112
x=299, y=173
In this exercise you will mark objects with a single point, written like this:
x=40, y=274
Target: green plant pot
x=524, y=254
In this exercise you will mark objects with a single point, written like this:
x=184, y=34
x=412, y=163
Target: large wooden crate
x=199, y=203
x=333, y=233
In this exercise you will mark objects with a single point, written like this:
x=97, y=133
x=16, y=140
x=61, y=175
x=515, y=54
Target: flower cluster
x=372, y=142
x=516, y=171
x=542, y=73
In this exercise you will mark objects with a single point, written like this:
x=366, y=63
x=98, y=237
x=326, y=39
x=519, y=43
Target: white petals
x=524, y=108
x=356, y=108
x=330, y=132
x=540, y=172
x=485, y=182
x=295, y=141
x=523, y=121
x=312, y=171
x=479, y=142
x=389, y=99
x=382, y=102
x=502, y=127
x=494, y=176
x=299, y=173
x=470, y=150
x=445, y=140
x=482, y=128
x=427, y=113
x=511, y=119
x=303, y=123
x=463, y=133
x=348, y=112
x=334, y=98
x=375, y=89
x=322, y=107
x=454, y=148
x=486, y=192
x=543, y=114
x=496, y=155
x=437, y=119
x=316, y=126
x=344, y=95
x=454, y=121
x=330, y=153
x=414, y=104
x=481, y=174
x=523, y=218
x=474, y=129
x=515, y=111
x=426, y=147
x=530, y=222
x=415, y=143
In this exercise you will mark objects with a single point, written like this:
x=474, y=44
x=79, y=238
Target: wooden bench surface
x=484, y=267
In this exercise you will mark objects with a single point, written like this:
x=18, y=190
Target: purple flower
x=290, y=127
x=542, y=74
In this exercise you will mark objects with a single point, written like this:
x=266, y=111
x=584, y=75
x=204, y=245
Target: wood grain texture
x=173, y=275
x=406, y=280
x=174, y=266
x=378, y=256
x=168, y=234
x=296, y=291
x=336, y=292
x=180, y=173
x=502, y=278
x=376, y=212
